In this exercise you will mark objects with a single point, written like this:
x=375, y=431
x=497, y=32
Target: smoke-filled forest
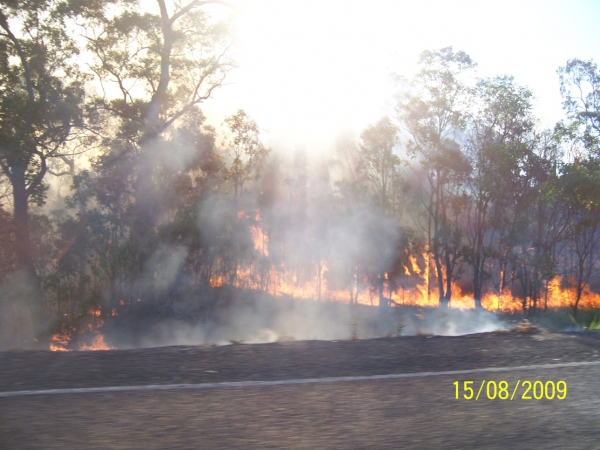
x=126, y=219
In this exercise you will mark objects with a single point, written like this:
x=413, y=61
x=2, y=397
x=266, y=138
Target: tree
x=579, y=185
x=498, y=132
x=245, y=150
x=378, y=163
x=154, y=68
x=539, y=220
x=580, y=89
x=42, y=98
x=379, y=167
x=431, y=108
x=7, y=245
x=163, y=65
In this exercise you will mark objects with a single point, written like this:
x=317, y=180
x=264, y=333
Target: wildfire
x=282, y=282
x=82, y=331
x=86, y=336
x=96, y=344
x=60, y=341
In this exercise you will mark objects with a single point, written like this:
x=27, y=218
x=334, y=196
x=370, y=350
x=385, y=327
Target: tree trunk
x=448, y=293
x=24, y=288
x=382, y=300
x=478, y=266
x=21, y=218
x=439, y=274
x=477, y=286
x=503, y=267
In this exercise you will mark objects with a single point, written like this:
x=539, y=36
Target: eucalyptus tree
x=379, y=169
x=42, y=94
x=431, y=108
x=245, y=150
x=378, y=163
x=578, y=188
x=7, y=244
x=580, y=90
x=500, y=129
x=154, y=65
x=245, y=156
x=539, y=221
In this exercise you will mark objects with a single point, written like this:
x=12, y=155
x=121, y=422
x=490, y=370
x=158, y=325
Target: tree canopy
x=121, y=200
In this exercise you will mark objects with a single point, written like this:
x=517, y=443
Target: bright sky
x=311, y=68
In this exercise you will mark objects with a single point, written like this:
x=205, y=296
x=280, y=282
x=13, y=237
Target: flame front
x=96, y=344
x=82, y=331
x=87, y=335
x=282, y=282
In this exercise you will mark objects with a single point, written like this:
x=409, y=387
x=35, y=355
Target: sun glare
x=310, y=69
x=315, y=67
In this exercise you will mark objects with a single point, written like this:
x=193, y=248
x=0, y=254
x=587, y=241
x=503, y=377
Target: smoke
x=170, y=259
x=21, y=320
x=451, y=322
x=254, y=317
x=281, y=262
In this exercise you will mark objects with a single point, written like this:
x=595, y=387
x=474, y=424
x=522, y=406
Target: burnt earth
x=32, y=370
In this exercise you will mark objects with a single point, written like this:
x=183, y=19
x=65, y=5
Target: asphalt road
x=419, y=409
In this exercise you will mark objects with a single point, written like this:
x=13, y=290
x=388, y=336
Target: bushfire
x=278, y=283
x=82, y=331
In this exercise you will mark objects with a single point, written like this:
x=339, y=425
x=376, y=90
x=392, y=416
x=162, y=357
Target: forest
x=119, y=200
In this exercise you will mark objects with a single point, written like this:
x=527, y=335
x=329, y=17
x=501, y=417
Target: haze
x=308, y=69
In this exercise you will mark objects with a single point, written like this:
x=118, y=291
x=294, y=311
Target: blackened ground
x=407, y=413
x=224, y=314
x=24, y=370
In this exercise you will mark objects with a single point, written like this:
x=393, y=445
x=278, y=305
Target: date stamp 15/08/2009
x=501, y=390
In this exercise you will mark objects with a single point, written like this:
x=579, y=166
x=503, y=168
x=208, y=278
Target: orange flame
x=61, y=341
x=285, y=283
x=97, y=344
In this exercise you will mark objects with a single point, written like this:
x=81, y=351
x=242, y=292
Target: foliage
x=41, y=104
x=431, y=108
x=460, y=185
x=580, y=89
x=244, y=149
x=378, y=164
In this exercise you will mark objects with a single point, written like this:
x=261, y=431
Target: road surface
x=385, y=393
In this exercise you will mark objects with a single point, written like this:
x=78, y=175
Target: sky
x=309, y=69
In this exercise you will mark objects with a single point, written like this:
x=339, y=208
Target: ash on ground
x=251, y=317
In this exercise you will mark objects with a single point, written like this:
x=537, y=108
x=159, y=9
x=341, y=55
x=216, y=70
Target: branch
x=6, y=170
x=195, y=4
x=58, y=174
x=120, y=113
x=68, y=162
x=37, y=179
x=165, y=59
x=165, y=66
x=193, y=103
x=26, y=68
